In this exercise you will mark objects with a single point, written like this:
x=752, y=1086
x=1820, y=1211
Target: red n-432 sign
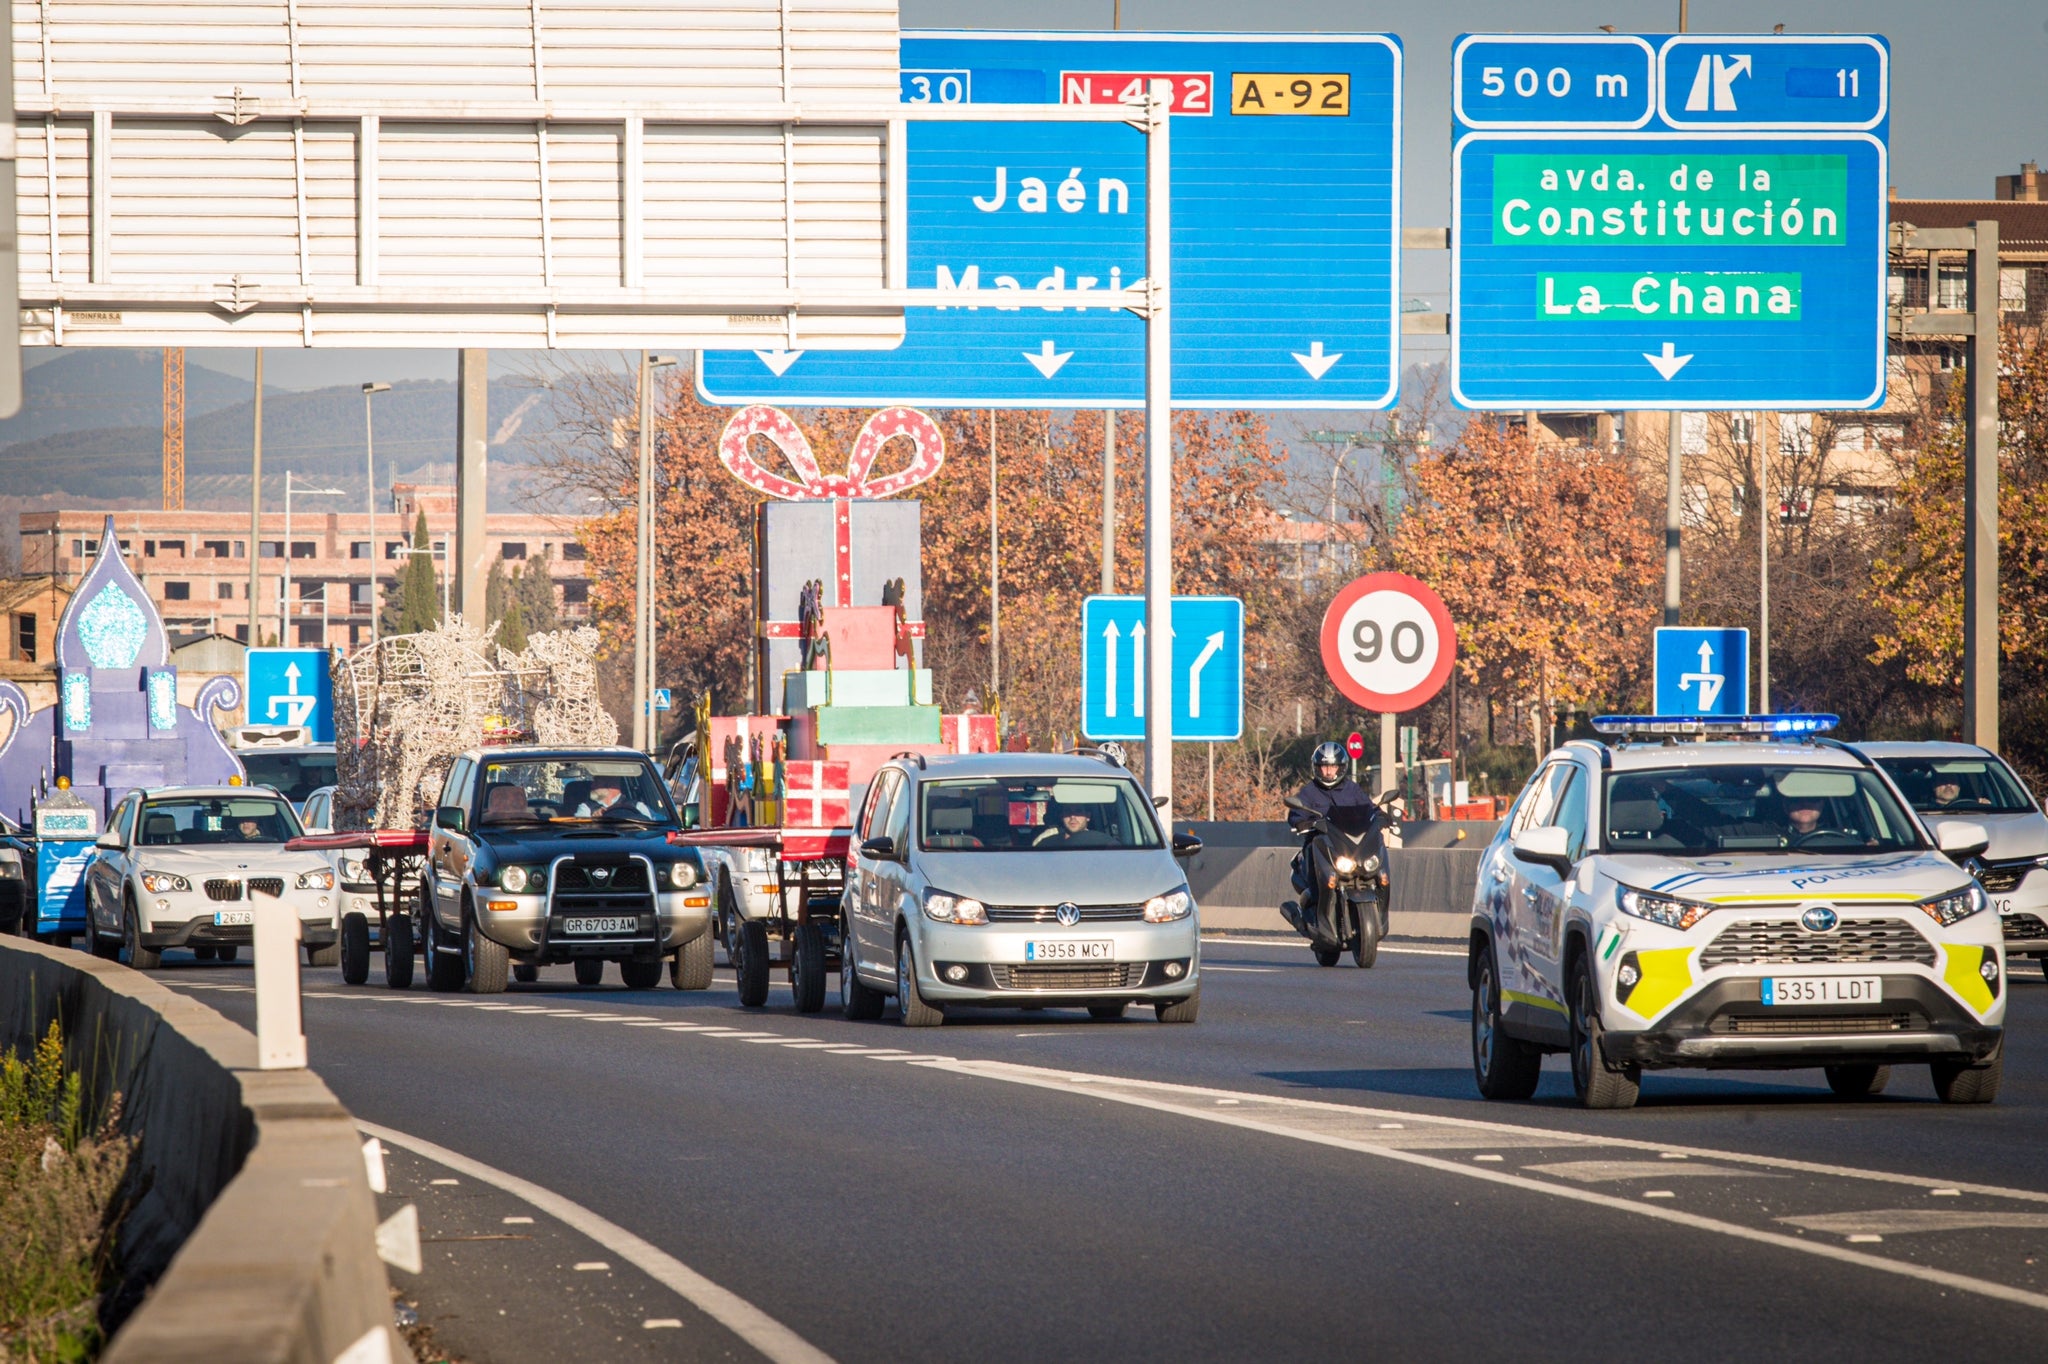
x=1193, y=91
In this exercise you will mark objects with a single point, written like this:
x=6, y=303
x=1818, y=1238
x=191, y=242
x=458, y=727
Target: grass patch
x=60, y=1207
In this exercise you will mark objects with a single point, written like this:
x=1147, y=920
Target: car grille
x=617, y=876
x=623, y=893
x=221, y=889
x=1045, y=914
x=1779, y=1025
x=1756, y=942
x=273, y=886
x=2004, y=880
x=2025, y=926
x=1117, y=976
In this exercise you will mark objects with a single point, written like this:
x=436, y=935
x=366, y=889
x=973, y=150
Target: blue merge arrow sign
x=291, y=687
x=1208, y=668
x=1702, y=672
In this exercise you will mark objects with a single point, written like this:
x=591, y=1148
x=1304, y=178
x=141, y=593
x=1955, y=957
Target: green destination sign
x=1662, y=200
x=1695, y=296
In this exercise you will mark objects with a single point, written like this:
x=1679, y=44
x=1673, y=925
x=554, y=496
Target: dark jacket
x=1346, y=803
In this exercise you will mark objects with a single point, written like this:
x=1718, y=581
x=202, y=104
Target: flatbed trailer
x=395, y=859
x=805, y=927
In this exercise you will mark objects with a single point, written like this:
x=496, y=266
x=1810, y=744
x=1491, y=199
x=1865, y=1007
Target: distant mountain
x=87, y=389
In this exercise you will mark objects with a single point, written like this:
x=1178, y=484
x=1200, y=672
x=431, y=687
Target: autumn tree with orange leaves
x=1548, y=562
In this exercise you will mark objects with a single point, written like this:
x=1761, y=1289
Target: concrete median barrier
x=1241, y=876
x=252, y=1237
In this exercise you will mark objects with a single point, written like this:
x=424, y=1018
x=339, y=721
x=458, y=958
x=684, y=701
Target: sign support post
x=1980, y=500
x=1158, y=449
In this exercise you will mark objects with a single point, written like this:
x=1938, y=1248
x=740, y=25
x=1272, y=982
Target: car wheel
x=858, y=1000
x=1328, y=956
x=590, y=970
x=327, y=955
x=640, y=975
x=1592, y=1081
x=1365, y=925
x=1856, y=1082
x=140, y=957
x=750, y=961
x=1958, y=1082
x=398, y=952
x=202, y=954
x=690, y=967
x=1106, y=1013
x=910, y=1005
x=1183, y=1010
x=355, y=949
x=225, y=953
x=444, y=967
x=485, y=962
x=807, y=968
x=1505, y=1067
x=525, y=972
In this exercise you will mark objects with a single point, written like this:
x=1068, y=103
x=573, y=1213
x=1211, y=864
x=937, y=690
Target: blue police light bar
x=1789, y=725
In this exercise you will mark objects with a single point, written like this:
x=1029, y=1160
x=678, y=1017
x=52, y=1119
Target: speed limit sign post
x=1388, y=644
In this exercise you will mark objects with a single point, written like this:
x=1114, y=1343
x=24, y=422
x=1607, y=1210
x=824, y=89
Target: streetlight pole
x=370, y=497
x=284, y=605
x=255, y=513
x=643, y=619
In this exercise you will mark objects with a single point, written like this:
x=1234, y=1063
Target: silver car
x=1016, y=880
x=1947, y=783
x=188, y=866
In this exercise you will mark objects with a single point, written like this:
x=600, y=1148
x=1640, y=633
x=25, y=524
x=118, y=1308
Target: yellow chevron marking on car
x=1964, y=974
x=1533, y=1001
x=1667, y=973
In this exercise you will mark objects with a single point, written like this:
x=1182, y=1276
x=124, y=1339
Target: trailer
x=396, y=859
x=802, y=930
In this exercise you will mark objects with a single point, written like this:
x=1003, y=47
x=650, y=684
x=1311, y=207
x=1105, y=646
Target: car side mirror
x=690, y=815
x=1960, y=838
x=1549, y=846
x=1186, y=845
x=110, y=840
x=882, y=849
x=450, y=817
x=1159, y=802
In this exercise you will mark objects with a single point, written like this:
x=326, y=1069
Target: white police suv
x=1762, y=898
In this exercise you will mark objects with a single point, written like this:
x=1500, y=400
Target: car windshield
x=1703, y=811
x=576, y=790
x=293, y=775
x=188, y=821
x=1958, y=786
x=1035, y=814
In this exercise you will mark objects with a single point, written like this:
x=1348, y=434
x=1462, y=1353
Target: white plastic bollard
x=280, y=1017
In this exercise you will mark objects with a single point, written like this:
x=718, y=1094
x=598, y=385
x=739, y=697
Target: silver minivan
x=1021, y=880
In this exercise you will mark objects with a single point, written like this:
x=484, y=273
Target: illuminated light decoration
x=928, y=454
x=112, y=628
x=1727, y=725
x=78, y=702
x=163, y=699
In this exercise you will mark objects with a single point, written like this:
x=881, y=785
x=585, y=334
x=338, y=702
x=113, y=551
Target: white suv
x=1766, y=902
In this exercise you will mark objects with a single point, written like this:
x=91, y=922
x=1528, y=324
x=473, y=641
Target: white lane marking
x=767, y=1335
x=805, y=1044
x=1658, y=1193
x=518, y=1222
x=662, y=1324
x=1247, y=970
x=444, y=1181
x=1866, y=1238
x=592, y=1267
x=767, y=1037
x=1617, y=1171
x=1423, y=951
x=1118, y=1090
x=1895, y=1221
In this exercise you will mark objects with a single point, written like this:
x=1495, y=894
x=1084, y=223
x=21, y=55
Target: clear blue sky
x=1969, y=96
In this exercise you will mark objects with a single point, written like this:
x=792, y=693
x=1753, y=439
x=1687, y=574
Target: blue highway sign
x=291, y=687
x=1286, y=229
x=1655, y=221
x=1702, y=672
x=1208, y=668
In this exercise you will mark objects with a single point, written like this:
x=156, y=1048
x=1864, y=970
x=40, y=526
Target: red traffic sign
x=1354, y=744
x=1388, y=643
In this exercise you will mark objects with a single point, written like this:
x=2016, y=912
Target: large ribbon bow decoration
x=789, y=438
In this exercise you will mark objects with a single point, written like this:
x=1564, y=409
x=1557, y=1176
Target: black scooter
x=1347, y=861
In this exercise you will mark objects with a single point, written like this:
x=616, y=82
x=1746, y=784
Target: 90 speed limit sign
x=1388, y=642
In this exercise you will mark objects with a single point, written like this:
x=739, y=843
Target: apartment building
x=195, y=564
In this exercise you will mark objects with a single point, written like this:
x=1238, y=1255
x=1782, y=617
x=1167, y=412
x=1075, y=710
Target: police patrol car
x=1763, y=900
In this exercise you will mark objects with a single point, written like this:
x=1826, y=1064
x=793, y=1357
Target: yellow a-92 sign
x=1327, y=95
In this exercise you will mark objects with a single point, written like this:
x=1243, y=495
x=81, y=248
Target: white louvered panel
x=32, y=171
x=654, y=51
x=192, y=202
x=458, y=209
x=101, y=48
x=839, y=198
x=427, y=49
x=714, y=207
x=842, y=51
x=583, y=193
x=331, y=202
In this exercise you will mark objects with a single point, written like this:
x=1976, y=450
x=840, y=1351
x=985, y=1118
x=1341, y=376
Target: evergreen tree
x=536, y=593
x=497, y=593
x=419, y=595
x=512, y=628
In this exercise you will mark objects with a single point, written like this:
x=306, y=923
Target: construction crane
x=174, y=428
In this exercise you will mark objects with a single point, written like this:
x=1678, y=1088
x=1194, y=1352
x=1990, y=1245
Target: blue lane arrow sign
x=290, y=687
x=1702, y=671
x=1208, y=668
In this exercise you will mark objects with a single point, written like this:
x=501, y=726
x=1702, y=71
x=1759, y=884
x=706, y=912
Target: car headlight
x=1176, y=904
x=1663, y=909
x=682, y=875
x=355, y=869
x=322, y=879
x=164, y=882
x=10, y=869
x=954, y=909
x=522, y=880
x=1955, y=907
x=1345, y=866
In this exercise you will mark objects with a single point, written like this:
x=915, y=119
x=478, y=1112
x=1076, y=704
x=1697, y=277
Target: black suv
x=543, y=855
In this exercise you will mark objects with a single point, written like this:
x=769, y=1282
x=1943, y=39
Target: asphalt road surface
x=1306, y=1173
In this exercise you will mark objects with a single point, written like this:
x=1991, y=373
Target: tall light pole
x=643, y=620
x=284, y=605
x=370, y=498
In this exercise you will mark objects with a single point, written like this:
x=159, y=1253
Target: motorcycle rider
x=1331, y=794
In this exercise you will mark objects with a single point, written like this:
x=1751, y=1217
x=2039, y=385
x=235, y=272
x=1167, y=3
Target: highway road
x=1307, y=1173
